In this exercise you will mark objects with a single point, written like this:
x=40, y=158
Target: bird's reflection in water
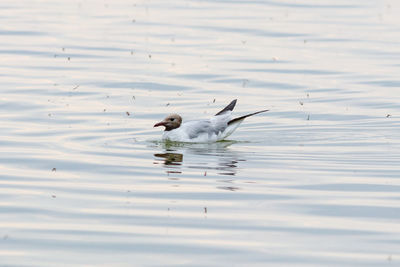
x=171, y=160
x=174, y=159
x=209, y=158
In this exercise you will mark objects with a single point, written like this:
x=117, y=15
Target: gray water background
x=84, y=180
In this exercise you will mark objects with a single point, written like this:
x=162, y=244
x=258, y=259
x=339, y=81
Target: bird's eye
x=172, y=119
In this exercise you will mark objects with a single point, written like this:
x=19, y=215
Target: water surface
x=85, y=180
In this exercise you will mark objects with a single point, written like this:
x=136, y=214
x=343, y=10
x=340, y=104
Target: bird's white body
x=203, y=131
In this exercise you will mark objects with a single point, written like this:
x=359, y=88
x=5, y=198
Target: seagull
x=217, y=128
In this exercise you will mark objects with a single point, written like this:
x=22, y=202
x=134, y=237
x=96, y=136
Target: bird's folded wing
x=196, y=128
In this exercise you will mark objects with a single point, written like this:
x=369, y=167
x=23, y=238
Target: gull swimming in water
x=217, y=128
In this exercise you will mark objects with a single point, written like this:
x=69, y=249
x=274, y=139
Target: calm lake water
x=85, y=180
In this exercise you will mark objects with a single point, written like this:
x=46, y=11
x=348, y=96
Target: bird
x=214, y=129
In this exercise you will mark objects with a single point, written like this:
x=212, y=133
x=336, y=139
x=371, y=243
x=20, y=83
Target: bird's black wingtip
x=245, y=116
x=230, y=107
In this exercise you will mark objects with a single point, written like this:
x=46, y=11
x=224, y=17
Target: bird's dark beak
x=161, y=123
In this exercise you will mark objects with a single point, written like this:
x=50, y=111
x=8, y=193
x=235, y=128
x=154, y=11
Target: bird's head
x=171, y=122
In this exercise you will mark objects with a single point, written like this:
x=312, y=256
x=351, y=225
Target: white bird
x=216, y=128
